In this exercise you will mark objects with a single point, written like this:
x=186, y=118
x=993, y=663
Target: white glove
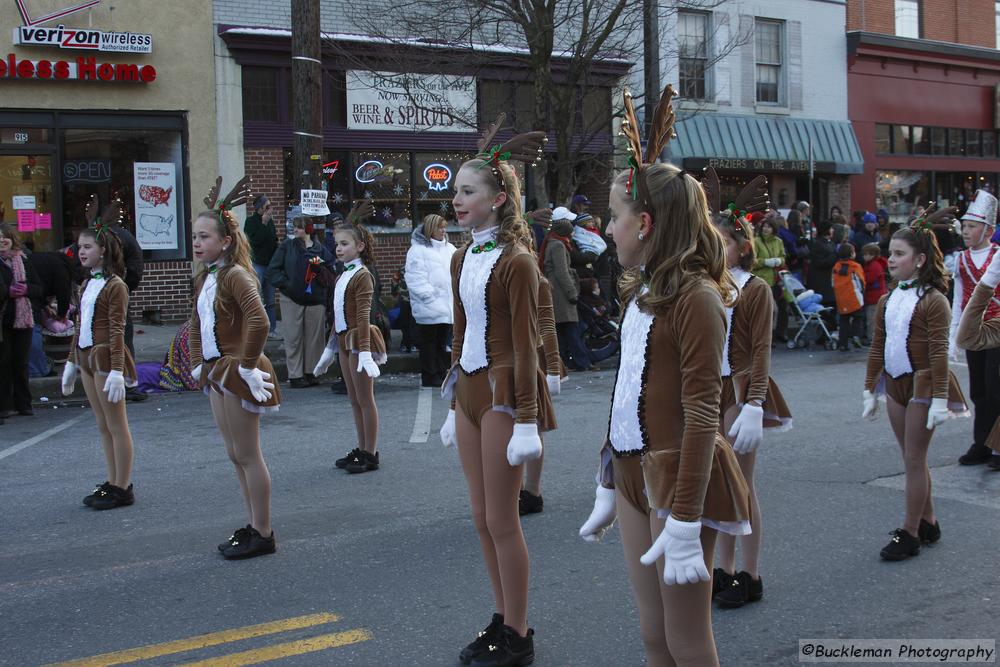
x=368, y=365
x=555, y=382
x=938, y=413
x=115, y=386
x=680, y=546
x=325, y=361
x=773, y=262
x=870, y=411
x=196, y=373
x=524, y=444
x=991, y=278
x=70, y=373
x=953, y=350
x=748, y=429
x=257, y=380
x=602, y=517
x=448, y=430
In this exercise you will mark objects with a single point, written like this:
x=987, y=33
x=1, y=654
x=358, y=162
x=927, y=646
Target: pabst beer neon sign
x=437, y=176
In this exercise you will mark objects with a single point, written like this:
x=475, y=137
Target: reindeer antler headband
x=752, y=198
x=526, y=147
x=935, y=218
x=661, y=131
x=238, y=196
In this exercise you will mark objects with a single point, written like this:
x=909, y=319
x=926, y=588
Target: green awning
x=765, y=144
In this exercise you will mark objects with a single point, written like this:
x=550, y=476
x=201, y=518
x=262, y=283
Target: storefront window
x=900, y=138
x=921, y=140
x=26, y=198
x=384, y=177
x=956, y=142
x=972, y=148
x=883, y=138
x=113, y=163
x=939, y=141
x=899, y=192
x=989, y=143
x=335, y=168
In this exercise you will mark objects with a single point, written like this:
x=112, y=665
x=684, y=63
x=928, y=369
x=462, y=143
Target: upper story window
x=260, y=93
x=908, y=18
x=996, y=11
x=692, y=52
x=768, y=43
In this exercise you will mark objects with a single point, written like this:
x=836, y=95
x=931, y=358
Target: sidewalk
x=151, y=343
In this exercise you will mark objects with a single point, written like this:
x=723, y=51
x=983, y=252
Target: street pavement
x=385, y=569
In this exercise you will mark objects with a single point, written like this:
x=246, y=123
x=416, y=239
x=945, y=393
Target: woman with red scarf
x=22, y=285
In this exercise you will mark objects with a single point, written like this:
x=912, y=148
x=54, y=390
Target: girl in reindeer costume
x=228, y=329
x=98, y=354
x=499, y=397
x=908, y=368
x=751, y=400
x=676, y=479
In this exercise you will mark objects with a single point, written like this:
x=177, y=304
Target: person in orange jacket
x=849, y=290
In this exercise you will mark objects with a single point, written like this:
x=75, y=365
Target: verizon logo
x=87, y=40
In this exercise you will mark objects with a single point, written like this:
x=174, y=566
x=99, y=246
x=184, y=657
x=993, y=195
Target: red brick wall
x=165, y=286
x=266, y=166
x=970, y=22
x=838, y=193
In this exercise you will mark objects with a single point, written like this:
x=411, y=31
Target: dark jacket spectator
x=55, y=273
x=555, y=256
x=287, y=271
x=867, y=233
x=261, y=234
x=822, y=257
x=132, y=251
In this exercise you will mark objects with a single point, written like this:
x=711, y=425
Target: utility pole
x=650, y=60
x=307, y=86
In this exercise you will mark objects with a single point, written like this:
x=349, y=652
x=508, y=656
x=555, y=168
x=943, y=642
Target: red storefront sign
x=84, y=68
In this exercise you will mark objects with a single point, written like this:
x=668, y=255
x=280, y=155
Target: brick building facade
x=969, y=22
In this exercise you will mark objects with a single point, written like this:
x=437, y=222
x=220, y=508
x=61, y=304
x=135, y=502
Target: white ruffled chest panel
x=898, y=314
x=206, y=313
x=626, y=429
x=340, y=295
x=473, y=283
x=87, y=302
x=741, y=278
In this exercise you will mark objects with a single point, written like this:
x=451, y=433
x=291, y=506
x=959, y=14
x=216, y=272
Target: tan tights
x=909, y=423
x=533, y=472
x=749, y=544
x=241, y=434
x=361, y=392
x=675, y=621
x=493, y=494
x=112, y=422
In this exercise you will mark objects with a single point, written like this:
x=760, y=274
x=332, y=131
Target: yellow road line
x=286, y=650
x=201, y=641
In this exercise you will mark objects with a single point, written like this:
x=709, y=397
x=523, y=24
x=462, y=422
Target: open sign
x=437, y=176
x=369, y=171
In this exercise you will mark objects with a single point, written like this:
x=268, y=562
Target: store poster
x=155, y=205
x=416, y=102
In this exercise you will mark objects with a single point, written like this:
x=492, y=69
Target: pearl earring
x=493, y=208
x=641, y=236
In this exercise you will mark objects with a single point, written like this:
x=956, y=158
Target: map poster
x=155, y=205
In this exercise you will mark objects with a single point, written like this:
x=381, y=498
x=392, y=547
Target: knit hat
x=869, y=217
x=982, y=209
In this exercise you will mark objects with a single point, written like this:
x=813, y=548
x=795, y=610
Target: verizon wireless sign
x=84, y=68
x=82, y=39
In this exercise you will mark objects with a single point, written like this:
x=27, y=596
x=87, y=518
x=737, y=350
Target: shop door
x=27, y=199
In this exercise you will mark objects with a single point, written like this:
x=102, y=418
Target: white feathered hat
x=982, y=209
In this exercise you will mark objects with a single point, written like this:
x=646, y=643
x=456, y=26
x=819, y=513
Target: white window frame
x=901, y=6
x=708, y=82
x=782, y=65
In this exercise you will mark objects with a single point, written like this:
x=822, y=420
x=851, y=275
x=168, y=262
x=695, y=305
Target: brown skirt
x=97, y=359
x=479, y=392
x=727, y=499
x=918, y=386
x=223, y=376
x=776, y=412
x=376, y=344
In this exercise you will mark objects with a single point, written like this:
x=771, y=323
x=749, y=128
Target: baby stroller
x=599, y=328
x=805, y=305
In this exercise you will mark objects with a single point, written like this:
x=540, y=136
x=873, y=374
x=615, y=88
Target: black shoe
x=311, y=380
x=927, y=533
x=134, y=396
x=994, y=463
x=975, y=455
x=755, y=588
x=482, y=641
x=529, y=503
x=508, y=650
x=343, y=461
x=720, y=580
x=89, y=500
x=112, y=497
x=238, y=535
x=902, y=546
x=362, y=462
x=298, y=383
x=736, y=593
x=339, y=387
x=252, y=545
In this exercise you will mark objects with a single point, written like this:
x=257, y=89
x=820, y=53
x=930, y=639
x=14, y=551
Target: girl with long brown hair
x=99, y=357
x=908, y=368
x=499, y=398
x=228, y=329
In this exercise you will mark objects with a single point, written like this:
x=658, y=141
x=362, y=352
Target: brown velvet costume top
x=927, y=343
x=549, y=349
x=107, y=351
x=511, y=289
x=973, y=332
x=361, y=336
x=750, y=342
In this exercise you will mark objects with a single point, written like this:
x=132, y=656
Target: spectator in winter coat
x=555, y=262
x=428, y=277
x=822, y=257
x=55, y=273
x=302, y=269
x=876, y=269
x=849, y=287
x=23, y=288
x=263, y=238
x=770, y=257
x=867, y=232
